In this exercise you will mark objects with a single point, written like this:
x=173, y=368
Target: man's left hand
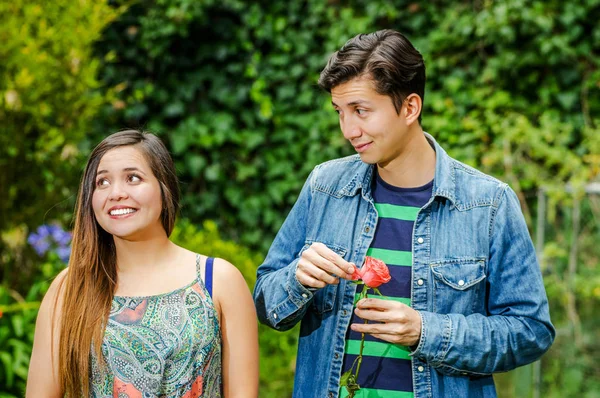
x=400, y=323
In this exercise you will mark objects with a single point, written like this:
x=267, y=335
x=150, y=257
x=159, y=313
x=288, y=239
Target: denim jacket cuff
x=298, y=292
x=297, y=298
x=436, y=332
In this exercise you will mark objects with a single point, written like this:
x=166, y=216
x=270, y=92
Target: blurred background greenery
x=230, y=86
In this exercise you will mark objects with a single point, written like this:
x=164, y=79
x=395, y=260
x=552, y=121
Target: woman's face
x=127, y=199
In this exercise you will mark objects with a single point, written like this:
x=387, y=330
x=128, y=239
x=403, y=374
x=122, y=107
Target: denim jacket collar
x=443, y=184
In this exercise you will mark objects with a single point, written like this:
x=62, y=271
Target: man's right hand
x=320, y=266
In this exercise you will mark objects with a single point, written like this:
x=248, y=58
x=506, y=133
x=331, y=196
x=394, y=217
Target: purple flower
x=41, y=246
x=51, y=237
x=44, y=230
x=33, y=238
x=64, y=253
x=62, y=238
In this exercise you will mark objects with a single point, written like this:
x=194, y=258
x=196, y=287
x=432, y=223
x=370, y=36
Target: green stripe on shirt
x=376, y=296
x=373, y=393
x=391, y=257
x=377, y=349
x=407, y=213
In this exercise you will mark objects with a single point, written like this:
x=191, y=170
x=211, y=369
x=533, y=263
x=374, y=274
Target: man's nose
x=350, y=129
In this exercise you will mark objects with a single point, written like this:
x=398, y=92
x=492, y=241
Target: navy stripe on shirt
x=387, y=366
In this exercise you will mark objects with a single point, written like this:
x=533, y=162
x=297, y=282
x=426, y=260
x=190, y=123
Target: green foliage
x=47, y=103
x=512, y=89
x=17, y=325
x=573, y=285
x=232, y=88
x=277, y=349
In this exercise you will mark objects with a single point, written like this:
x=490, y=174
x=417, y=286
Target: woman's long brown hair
x=88, y=288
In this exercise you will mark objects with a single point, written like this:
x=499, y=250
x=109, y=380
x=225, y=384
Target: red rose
x=373, y=273
x=356, y=274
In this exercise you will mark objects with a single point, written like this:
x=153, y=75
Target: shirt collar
x=443, y=184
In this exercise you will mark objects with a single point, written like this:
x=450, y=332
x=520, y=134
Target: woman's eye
x=134, y=178
x=102, y=182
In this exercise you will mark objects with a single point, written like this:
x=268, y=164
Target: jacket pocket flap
x=336, y=248
x=460, y=274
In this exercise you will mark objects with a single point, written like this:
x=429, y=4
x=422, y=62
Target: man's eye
x=361, y=111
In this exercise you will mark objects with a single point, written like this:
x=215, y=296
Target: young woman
x=135, y=315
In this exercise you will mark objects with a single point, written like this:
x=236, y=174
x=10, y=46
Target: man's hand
x=401, y=324
x=320, y=266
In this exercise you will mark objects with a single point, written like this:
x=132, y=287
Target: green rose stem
x=350, y=379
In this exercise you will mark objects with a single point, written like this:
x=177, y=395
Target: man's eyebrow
x=353, y=103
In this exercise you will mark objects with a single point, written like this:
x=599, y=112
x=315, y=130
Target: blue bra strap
x=208, y=277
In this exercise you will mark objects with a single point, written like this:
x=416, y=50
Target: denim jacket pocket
x=457, y=286
x=324, y=298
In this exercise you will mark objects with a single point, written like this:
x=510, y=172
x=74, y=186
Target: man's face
x=369, y=121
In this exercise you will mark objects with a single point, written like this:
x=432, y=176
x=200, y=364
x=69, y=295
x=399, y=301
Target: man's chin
x=367, y=159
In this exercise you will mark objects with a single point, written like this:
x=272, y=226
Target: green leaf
x=345, y=378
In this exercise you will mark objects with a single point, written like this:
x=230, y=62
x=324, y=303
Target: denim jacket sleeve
x=281, y=301
x=516, y=329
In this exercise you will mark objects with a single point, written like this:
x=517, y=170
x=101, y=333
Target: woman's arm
x=239, y=330
x=42, y=380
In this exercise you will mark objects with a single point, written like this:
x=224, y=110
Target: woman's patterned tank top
x=167, y=345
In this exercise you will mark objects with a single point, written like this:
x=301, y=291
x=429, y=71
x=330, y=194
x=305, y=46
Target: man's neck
x=414, y=166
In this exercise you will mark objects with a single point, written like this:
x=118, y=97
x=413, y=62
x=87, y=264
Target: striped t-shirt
x=385, y=371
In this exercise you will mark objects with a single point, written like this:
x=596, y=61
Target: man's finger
x=326, y=263
x=379, y=304
x=372, y=328
x=333, y=257
x=308, y=280
x=374, y=315
x=391, y=338
x=308, y=267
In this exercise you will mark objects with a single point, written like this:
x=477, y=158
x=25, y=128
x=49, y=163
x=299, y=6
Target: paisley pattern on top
x=168, y=345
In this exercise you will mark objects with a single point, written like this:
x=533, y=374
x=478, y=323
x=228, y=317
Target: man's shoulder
x=340, y=168
x=466, y=172
x=343, y=162
x=334, y=175
x=474, y=187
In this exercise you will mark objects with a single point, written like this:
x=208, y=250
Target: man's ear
x=412, y=108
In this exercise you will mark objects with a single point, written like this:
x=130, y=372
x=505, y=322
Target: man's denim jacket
x=475, y=279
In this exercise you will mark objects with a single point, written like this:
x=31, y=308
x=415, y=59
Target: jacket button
x=367, y=229
x=336, y=355
x=274, y=316
x=330, y=395
x=461, y=282
x=420, y=282
x=420, y=368
x=420, y=240
x=304, y=295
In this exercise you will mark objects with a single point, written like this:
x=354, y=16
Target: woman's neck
x=144, y=255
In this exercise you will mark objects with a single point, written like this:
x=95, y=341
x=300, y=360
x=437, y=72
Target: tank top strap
x=208, y=272
x=198, y=267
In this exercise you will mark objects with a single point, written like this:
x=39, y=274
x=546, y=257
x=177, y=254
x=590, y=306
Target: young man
x=466, y=297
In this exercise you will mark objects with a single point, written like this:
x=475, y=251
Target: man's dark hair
x=387, y=57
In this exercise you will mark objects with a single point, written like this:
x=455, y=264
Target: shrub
x=48, y=99
x=17, y=325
